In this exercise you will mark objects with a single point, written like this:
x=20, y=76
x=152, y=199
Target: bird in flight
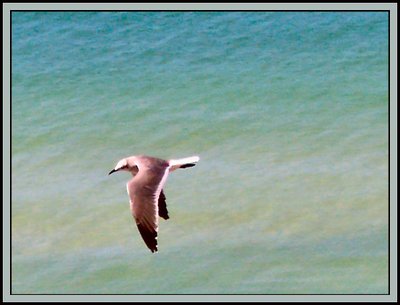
x=145, y=191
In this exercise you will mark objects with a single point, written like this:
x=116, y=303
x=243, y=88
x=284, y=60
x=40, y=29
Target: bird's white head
x=122, y=164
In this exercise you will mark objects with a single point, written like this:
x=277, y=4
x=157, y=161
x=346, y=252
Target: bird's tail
x=183, y=163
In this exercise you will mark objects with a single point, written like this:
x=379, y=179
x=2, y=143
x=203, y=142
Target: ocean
x=288, y=112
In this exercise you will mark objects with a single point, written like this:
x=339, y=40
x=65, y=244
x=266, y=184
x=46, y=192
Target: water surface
x=288, y=112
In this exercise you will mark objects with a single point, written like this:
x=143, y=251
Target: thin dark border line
x=345, y=294
x=388, y=153
x=200, y=294
x=142, y=294
x=11, y=153
x=210, y=2
x=194, y=11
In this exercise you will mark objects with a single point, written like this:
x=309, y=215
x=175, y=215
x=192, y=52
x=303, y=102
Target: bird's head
x=122, y=164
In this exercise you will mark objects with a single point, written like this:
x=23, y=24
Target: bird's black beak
x=113, y=171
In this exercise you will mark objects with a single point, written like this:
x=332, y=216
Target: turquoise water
x=288, y=112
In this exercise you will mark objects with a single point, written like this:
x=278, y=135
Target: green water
x=287, y=111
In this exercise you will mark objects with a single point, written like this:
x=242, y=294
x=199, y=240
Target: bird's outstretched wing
x=144, y=191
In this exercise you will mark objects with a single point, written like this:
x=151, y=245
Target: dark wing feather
x=162, y=206
x=149, y=236
x=187, y=165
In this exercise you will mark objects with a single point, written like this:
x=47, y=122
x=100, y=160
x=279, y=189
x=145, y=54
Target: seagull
x=145, y=191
